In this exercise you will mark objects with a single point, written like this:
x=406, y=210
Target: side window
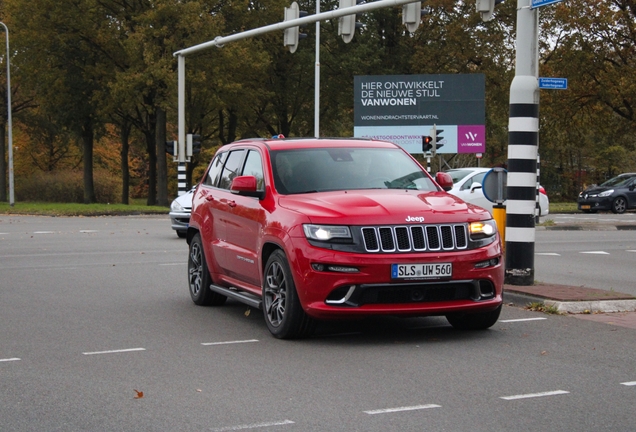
x=254, y=167
x=476, y=179
x=212, y=178
x=231, y=169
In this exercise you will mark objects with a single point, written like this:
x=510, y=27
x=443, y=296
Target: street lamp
x=11, y=194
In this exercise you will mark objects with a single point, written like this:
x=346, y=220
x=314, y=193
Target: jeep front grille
x=415, y=238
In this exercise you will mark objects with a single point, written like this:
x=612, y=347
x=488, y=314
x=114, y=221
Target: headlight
x=606, y=193
x=326, y=232
x=175, y=206
x=482, y=229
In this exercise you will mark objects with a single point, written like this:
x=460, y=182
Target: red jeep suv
x=311, y=229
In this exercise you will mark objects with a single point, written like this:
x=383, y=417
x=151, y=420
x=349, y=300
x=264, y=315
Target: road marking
x=9, y=359
x=533, y=395
x=521, y=320
x=629, y=383
x=229, y=342
x=89, y=231
x=596, y=252
x=630, y=251
x=399, y=409
x=252, y=426
x=43, y=232
x=115, y=351
x=172, y=264
x=548, y=254
x=4, y=233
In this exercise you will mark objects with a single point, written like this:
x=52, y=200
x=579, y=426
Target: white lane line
x=595, y=252
x=399, y=409
x=534, y=395
x=522, y=319
x=89, y=231
x=43, y=232
x=548, y=254
x=115, y=351
x=625, y=251
x=629, y=383
x=252, y=426
x=9, y=359
x=229, y=342
x=173, y=264
x=4, y=233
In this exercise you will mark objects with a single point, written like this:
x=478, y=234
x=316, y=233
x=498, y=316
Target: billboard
x=403, y=108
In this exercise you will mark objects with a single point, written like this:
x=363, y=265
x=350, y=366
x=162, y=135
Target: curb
x=572, y=307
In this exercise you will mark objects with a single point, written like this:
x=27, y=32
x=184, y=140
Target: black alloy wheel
x=199, y=278
x=283, y=312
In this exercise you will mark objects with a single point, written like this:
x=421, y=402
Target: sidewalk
x=570, y=299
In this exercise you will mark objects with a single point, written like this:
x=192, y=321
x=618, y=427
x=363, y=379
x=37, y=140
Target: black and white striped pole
x=523, y=140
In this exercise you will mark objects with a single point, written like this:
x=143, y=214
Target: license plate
x=422, y=271
x=585, y=207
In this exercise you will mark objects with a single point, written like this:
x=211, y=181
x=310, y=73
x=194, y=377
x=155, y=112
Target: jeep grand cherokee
x=311, y=229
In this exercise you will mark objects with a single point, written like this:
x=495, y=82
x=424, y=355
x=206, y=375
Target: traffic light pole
x=523, y=141
x=220, y=41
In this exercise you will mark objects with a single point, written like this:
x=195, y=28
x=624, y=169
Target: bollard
x=499, y=214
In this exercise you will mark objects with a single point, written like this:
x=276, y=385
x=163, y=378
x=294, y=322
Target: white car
x=467, y=186
x=180, y=210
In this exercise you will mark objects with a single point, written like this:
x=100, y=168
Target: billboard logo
x=471, y=136
x=470, y=139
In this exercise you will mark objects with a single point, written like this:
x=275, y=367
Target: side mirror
x=444, y=180
x=474, y=186
x=246, y=186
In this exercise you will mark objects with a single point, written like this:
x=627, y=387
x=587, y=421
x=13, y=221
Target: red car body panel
x=237, y=231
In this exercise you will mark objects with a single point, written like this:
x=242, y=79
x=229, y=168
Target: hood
x=595, y=189
x=383, y=206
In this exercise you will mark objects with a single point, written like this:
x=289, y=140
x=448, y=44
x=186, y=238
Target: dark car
x=616, y=194
x=309, y=229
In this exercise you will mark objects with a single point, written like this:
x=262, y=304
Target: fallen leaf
x=139, y=394
x=247, y=312
x=199, y=390
x=544, y=352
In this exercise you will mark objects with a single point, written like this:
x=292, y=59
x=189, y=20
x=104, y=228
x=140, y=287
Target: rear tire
x=283, y=312
x=199, y=278
x=474, y=321
x=619, y=205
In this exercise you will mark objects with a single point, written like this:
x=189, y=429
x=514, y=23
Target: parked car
x=310, y=229
x=467, y=185
x=616, y=194
x=180, y=213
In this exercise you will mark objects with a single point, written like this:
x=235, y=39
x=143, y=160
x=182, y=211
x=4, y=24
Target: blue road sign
x=539, y=3
x=553, y=83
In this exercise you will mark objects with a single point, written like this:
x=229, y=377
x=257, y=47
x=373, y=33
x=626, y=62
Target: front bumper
x=603, y=203
x=371, y=290
x=179, y=220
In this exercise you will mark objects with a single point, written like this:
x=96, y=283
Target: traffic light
x=292, y=34
x=486, y=8
x=348, y=24
x=193, y=145
x=437, y=139
x=427, y=144
x=171, y=148
x=412, y=16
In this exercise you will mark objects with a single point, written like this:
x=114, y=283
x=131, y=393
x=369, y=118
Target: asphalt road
x=95, y=311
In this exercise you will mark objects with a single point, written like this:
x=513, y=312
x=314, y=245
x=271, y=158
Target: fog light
x=318, y=267
x=488, y=263
x=341, y=269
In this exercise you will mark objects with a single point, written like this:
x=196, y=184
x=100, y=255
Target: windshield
x=458, y=174
x=330, y=169
x=618, y=181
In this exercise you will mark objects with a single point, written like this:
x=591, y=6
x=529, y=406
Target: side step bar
x=243, y=297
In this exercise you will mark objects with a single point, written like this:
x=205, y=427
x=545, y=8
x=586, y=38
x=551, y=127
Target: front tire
x=283, y=312
x=474, y=321
x=199, y=278
x=619, y=205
